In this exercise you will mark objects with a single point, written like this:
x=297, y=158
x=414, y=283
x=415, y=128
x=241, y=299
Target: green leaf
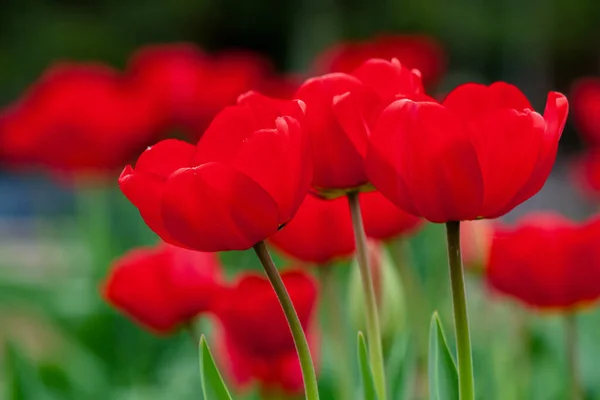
x=401, y=366
x=21, y=379
x=213, y=386
x=443, y=375
x=365, y=370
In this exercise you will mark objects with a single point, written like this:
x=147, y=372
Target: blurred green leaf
x=400, y=367
x=443, y=376
x=365, y=369
x=21, y=379
x=212, y=382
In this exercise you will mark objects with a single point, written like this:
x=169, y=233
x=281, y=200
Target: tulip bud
x=388, y=291
x=476, y=239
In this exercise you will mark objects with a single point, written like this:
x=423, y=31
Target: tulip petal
x=337, y=163
x=226, y=134
x=382, y=219
x=506, y=142
x=145, y=191
x=283, y=168
x=389, y=78
x=431, y=152
x=353, y=120
x=320, y=232
x=269, y=109
x=165, y=157
x=555, y=116
x=145, y=301
x=472, y=100
x=214, y=207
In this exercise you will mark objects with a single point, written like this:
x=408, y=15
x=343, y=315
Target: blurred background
x=57, y=239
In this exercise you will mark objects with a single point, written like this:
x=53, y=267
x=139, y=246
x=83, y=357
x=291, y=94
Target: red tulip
x=478, y=154
x=256, y=340
x=163, y=287
x=419, y=52
x=321, y=230
x=587, y=172
x=246, y=177
x=585, y=97
x=547, y=262
x=383, y=220
x=77, y=118
x=192, y=86
x=340, y=111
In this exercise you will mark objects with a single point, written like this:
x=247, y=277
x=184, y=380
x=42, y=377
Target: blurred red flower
x=475, y=243
x=414, y=51
x=192, y=86
x=585, y=99
x=547, y=262
x=383, y=220
x=340, y=111
x=256, y=343
x=586, y=172
x=321, y=230
x=478, y=154
x=163, y=287
x=77, y=118
x=246, y=177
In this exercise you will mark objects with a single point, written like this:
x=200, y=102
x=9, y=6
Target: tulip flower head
x=164, y=287
x=341, y=109
x=246, y=178
x=321, y=231
x=547, y=262
x=192, y=86
x=585, y=97
x=478, y=154
x=256, y=343
x=77, y=119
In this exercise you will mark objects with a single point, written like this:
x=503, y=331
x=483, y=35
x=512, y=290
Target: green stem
x=335, y=327
x=308, y=371
x=466, y=384
x=571, y=348
x=372, y=317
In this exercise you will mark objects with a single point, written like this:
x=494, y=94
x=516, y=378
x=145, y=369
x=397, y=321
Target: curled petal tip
x=128, y=170
x=281, y=124
x=340, y=97
x=302, y=105
x=245, y=95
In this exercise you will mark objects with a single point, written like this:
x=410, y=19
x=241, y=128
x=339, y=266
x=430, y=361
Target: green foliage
x=443, y=376
x=368, y=385
x=213, y=386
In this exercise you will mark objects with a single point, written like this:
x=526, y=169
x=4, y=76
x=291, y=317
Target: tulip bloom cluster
x=89, y=118
x=346, y=133
x=547, y=262
x=314, y=168
x=166, y=288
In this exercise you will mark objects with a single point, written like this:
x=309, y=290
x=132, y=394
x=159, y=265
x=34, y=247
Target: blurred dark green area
x=63, y=342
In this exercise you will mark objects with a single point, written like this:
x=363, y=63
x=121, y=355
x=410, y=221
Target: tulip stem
x=372, y=317
x=308, y=371
x=466, y=384
x=338, y=338
x=571, y=349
